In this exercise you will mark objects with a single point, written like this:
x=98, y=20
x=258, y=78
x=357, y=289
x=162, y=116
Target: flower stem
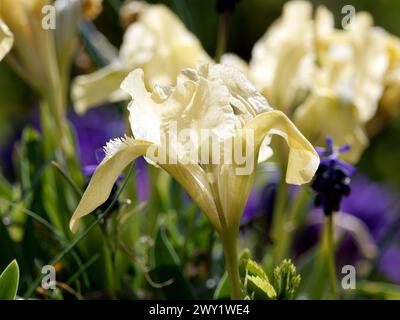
x=222, y=35
x=232, y=266
x=331, y=255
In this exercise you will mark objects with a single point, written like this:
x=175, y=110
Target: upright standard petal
x=121, y=152
x=345, y=57
x=283, y=60
x=191, y=108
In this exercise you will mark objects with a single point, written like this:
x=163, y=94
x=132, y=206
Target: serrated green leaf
x=250, y=267
x=261, y=288
x=9, y=281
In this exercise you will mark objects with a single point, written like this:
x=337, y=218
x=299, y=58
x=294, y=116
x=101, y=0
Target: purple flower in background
x=142, y=180
x=332, y=179
x=389, y=263
x=251, y=210
x=94, y=129
x=372, y=203
x=375, y=205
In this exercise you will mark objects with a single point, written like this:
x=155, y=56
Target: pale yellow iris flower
x=347, y=84
x=214, y=97
x=157, y=42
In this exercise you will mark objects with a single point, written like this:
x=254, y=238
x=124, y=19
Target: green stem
x=279, y=232
x=295, y=217
x=229, y=243
x=222, y=35
x=331, y=255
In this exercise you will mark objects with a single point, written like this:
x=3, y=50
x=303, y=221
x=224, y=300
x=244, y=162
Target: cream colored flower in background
x=282, y=61
x=157, y=42
x=346, y=86
x=6, y=39
x=331, y=81
x=345, y=60
x=32, y=54
x=214, y=97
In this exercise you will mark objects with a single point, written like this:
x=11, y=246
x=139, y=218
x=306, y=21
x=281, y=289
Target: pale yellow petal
x=145, y=113
x=194, y=180
x=345, y=59
x=6, y=39
x=192, y=107
x=282, y=60
x=303, y=160
x=235, y=180
x=138, y=46
x=234, y=60
x=245, y=97
x=101, y=86
x=159, y=43
x=234, y=191
x=120, y=153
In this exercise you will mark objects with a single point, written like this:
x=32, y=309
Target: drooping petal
x=303, y=160
x=6, y=39
x=93, y=89
x=120, y=153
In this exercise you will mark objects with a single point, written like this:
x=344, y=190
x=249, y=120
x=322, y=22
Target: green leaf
x=256, y=282
x=260, y=288
x=286, y=280
x=249, y=267
x=222, y=291
x=167, y=273
x=8, y=247
x=9, y=280
x=377, y=290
